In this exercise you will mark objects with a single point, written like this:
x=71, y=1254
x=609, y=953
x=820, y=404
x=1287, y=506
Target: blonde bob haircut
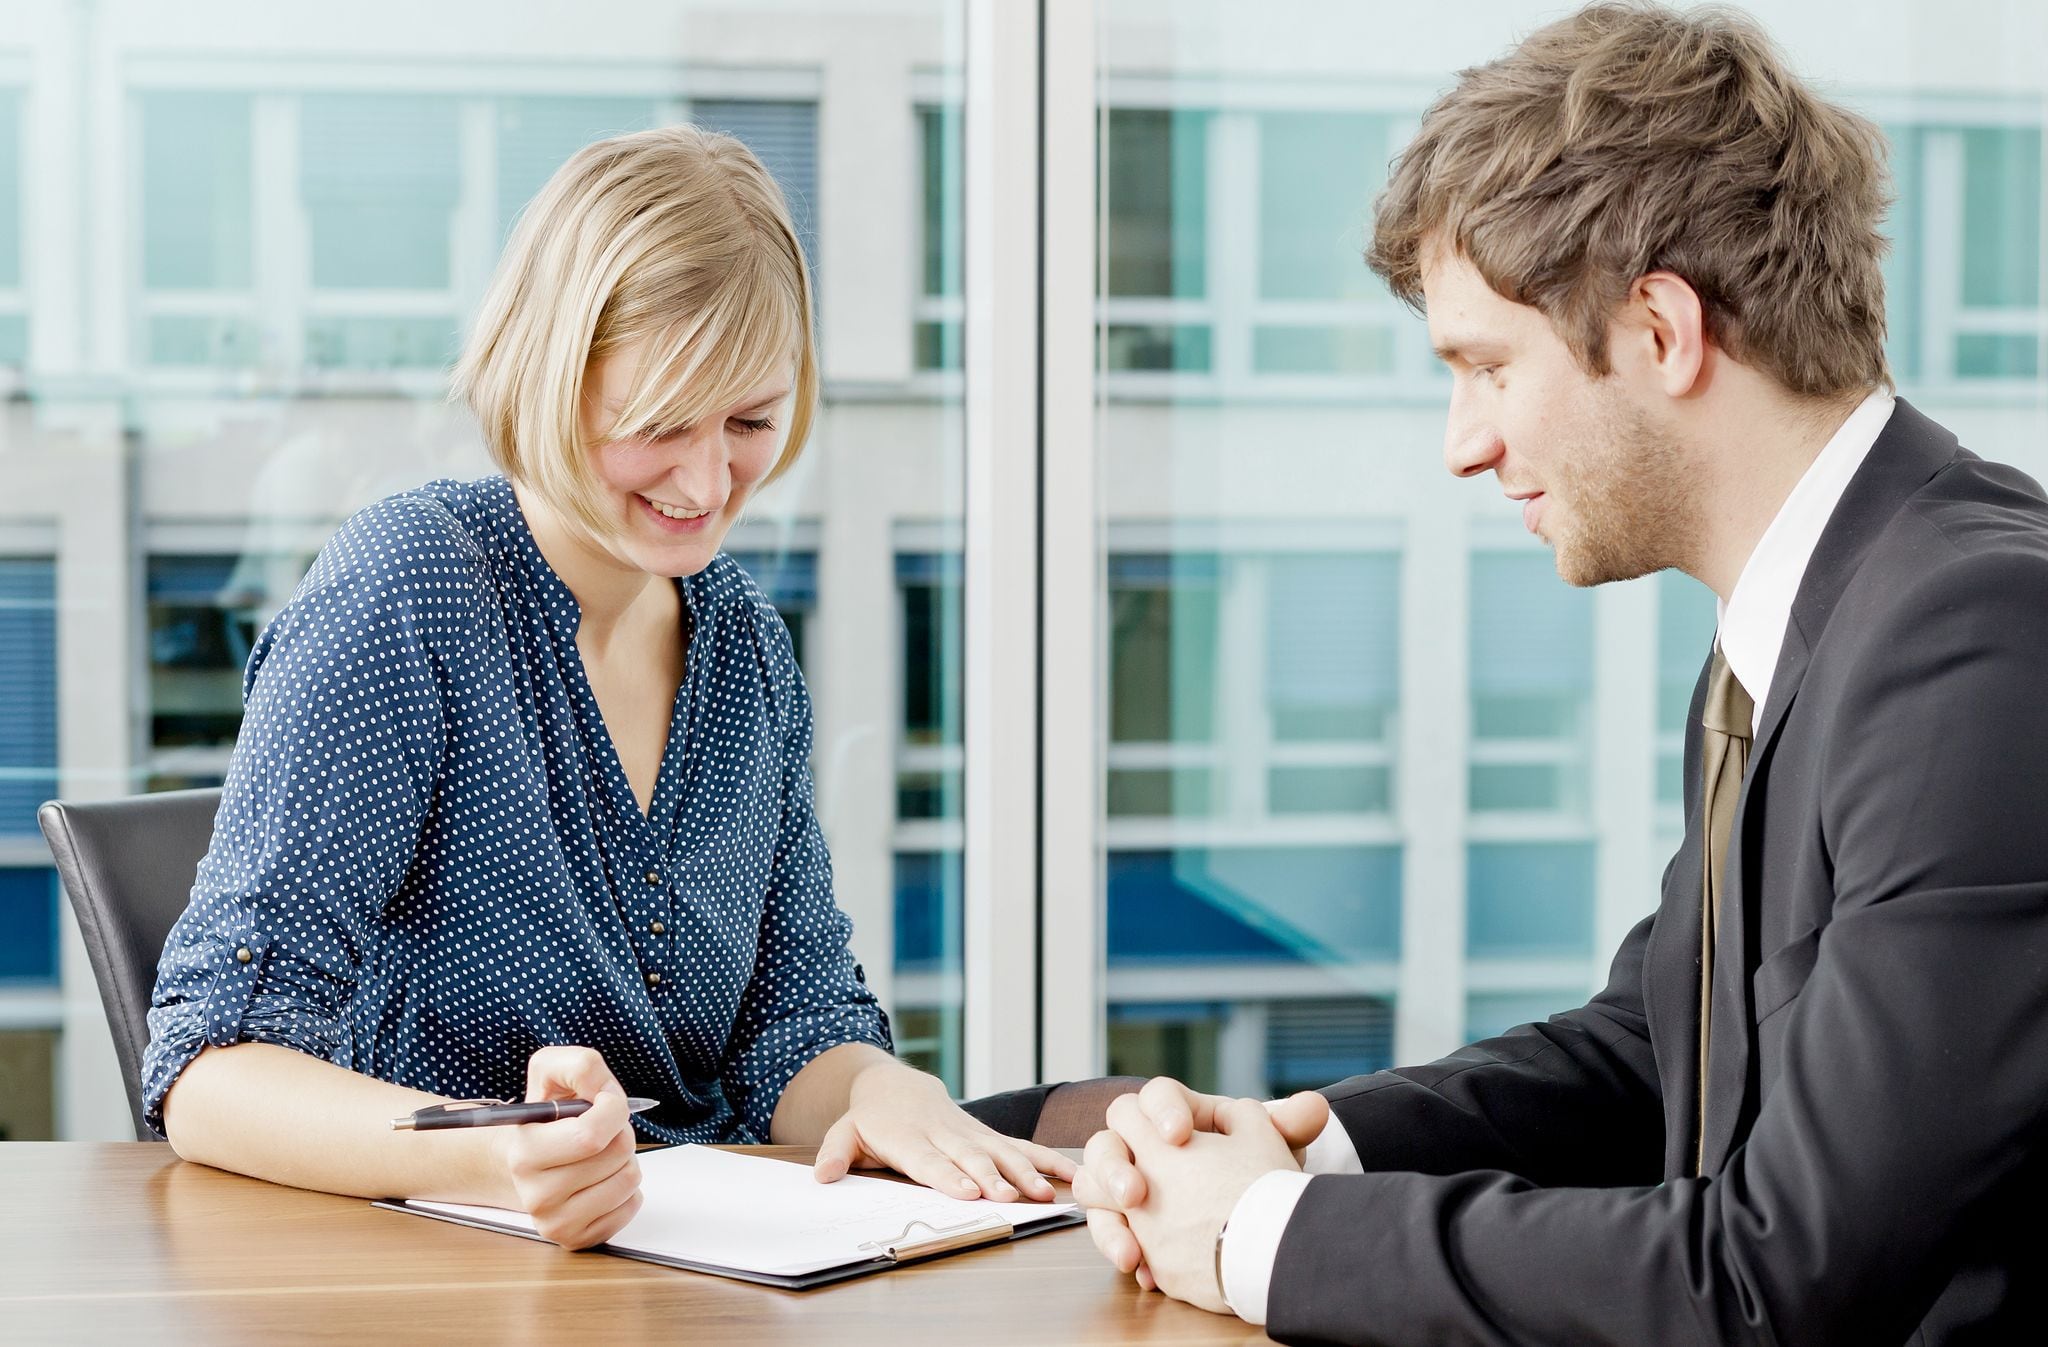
x=675, y=237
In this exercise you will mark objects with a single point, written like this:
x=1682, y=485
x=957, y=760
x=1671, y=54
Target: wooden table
x=124, y=1241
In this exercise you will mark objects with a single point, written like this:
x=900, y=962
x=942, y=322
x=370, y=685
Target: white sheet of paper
x=754, y=1214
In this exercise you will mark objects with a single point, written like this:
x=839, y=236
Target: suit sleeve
x=1571, y=1100
x=1914, y=1064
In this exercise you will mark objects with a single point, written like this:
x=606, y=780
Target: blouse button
x=654, y=878
x=654, y=979
x=243, y=955
x=657, y=928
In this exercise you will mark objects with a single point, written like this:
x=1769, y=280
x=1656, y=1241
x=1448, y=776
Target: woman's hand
x=577, y=1177
x=900, y=1118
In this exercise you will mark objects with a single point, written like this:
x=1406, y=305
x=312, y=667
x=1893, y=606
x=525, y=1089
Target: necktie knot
x=1728, y=710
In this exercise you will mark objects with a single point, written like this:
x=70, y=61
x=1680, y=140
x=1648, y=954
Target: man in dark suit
x=1810, y=1103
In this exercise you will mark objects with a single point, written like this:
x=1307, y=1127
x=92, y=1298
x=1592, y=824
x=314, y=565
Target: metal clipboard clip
x=938, y=1239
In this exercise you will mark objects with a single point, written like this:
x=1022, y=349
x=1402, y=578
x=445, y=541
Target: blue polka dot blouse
x=428, y=862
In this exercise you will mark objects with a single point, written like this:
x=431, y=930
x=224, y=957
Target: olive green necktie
x=1724, y=753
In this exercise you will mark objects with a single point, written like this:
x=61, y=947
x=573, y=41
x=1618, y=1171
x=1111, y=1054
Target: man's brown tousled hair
x=1632, y=138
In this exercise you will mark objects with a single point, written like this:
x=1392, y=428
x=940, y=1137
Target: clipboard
x=789, y=1231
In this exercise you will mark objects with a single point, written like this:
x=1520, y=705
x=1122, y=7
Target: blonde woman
x=520, y=806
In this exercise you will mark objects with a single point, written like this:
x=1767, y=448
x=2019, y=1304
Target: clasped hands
x=1160, y=1182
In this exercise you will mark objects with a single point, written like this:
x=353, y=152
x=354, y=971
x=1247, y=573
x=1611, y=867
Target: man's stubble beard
x=1633, y=496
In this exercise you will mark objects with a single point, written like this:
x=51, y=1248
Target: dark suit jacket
x=1878, y=1077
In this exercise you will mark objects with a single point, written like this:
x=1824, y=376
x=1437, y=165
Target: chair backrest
x=128, y=866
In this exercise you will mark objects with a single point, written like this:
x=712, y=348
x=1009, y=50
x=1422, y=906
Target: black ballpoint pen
x=491, y=1113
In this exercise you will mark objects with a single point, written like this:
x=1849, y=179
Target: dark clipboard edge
x=800, y=1282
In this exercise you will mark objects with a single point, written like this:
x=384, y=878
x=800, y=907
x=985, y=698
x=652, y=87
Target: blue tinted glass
x=1532, y=634
x=2002, y=239
x=28, y=691
x=1333, y=652
x=28, y=926
x=929, y=886
x=1529, y=899
x=10, y=187
x=1263, y=904
x=1685, y=634
x=1318, y=174
x=380, y=175
x=537, y=135
x=197, y=225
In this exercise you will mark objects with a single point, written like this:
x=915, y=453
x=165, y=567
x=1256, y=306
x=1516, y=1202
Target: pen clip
x=453, y=1106
x=940, y=1239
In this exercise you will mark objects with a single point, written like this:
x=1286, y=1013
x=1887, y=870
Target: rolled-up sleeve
x=332, y=776
x=806, y=994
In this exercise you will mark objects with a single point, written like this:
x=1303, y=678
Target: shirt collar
x=1754, y=617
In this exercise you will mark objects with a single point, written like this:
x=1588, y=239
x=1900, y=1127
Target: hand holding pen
x=577, y=1176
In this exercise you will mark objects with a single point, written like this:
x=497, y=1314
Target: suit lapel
x=1907, y=453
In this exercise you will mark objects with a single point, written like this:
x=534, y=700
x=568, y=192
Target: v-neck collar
x=564, y=615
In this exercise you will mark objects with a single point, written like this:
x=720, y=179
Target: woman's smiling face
x=675, y=492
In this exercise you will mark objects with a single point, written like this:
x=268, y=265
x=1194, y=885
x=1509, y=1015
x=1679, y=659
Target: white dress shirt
x=1752, y=629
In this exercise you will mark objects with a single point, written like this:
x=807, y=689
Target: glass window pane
x=1333, y=652
x=28, y=691
x=1162, y=648
x=1254, y=904
x=380, y=177
x=28, y=1072
x=10, y=188
x=2002, y=237
x=1529, y=900
x=537, y=134
x=1903, y=263
x=197, y=223
x=1318, y=174
x=28, y=927
x=939, y=131
x=1158, y=182
x=303, y=234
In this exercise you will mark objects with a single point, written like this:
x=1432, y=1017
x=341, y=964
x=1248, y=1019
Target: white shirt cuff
x=1251, y=1241
x=1332, y=1152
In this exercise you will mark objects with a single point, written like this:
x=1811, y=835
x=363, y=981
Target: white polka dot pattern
x=431, y=856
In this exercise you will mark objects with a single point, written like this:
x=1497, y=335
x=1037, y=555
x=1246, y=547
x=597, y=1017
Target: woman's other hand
x=902, y=1119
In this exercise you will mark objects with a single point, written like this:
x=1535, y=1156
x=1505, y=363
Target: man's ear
x=1663, y=326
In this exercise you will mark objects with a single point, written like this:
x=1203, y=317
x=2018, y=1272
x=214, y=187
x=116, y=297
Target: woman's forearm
x=272, y=1113
x=817, y=1096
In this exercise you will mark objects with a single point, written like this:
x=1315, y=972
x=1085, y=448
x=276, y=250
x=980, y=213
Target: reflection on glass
x=1254, y=381
x=1532, y=686
x=260, y=348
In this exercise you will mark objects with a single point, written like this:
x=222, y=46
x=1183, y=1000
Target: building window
x=538, y=134
x=1529, y=900
x=929, y=763
x=401, y=202
x=941, y=308
x=1156, y=272
x=13, y=298
x=28, y=691
x=1963, y=283
x=1164, y=615
x=1333, y=671
x=1532, y=687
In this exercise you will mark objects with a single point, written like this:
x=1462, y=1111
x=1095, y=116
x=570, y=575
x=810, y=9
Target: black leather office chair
x=128, y=866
